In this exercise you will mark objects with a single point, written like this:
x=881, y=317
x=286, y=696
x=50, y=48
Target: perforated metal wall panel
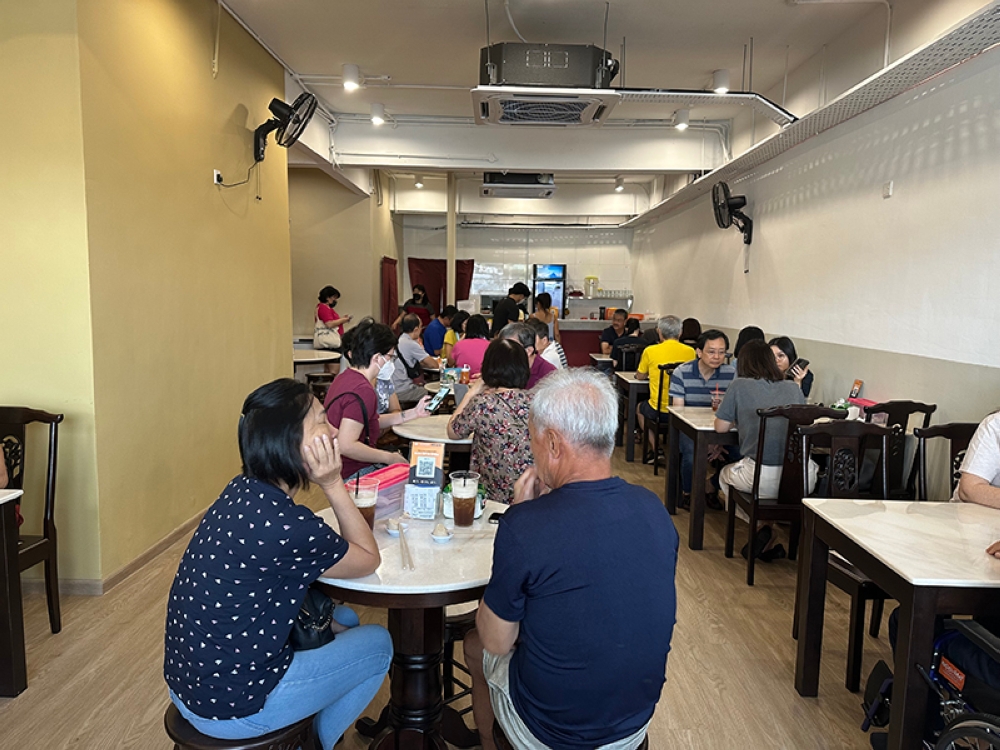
x=973, y=37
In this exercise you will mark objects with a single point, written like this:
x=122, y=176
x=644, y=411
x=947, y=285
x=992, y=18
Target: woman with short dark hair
x=785, y=356
x=228, y=662
x=454, y=334
x=495, y=413
x=759, y=385
x=352, y=404
x=328, y=326
x=470, y=350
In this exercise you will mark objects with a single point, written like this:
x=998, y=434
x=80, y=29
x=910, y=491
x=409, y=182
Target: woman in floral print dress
x=495, y=413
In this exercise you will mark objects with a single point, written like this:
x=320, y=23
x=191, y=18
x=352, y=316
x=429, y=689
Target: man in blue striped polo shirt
x=696, y=383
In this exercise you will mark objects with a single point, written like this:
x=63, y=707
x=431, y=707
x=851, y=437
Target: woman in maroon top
x=352, y=405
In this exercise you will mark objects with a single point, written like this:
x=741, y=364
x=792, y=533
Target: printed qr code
x=425, y=467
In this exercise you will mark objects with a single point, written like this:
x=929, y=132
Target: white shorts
x=740, y=476
x=497, y=671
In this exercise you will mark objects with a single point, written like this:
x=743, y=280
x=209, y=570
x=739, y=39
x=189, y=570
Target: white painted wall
x=593, y=199
x=832, y=260
x=505, y=255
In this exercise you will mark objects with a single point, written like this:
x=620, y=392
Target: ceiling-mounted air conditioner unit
x=517, y=185
x=522, y=105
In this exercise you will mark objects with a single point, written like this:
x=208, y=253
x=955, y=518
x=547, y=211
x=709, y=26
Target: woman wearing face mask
x=352, y=405
x=328, y=326
x=418, y=305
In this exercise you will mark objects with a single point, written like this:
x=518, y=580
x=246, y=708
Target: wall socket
x=216, y=177
x=887, y=189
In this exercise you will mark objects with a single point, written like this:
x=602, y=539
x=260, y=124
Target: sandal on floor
x=760, y=540
x=777, y=552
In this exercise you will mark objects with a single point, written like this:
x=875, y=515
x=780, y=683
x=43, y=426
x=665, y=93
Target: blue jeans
x=686, y=448
x=334, y=682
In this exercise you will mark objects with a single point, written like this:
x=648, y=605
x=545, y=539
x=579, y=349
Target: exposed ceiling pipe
x=506, y=7
x=320, y=107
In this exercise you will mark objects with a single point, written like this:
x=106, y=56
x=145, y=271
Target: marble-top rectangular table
x=634, y=389
x=698, y=423
x=13, y=665
x=930, y=557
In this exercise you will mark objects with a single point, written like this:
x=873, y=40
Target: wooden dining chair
x=787, y=506
x=848, y=440
x=660, y=426
x=897, y=417
x=958, y=435
x=32, y=550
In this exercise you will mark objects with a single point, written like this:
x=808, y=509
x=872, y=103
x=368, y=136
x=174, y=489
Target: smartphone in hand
x=439, y=398
x=803, y=363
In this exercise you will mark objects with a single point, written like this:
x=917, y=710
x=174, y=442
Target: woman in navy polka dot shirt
x=244, y=576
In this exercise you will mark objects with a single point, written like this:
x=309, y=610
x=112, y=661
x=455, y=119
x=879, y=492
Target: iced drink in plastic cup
x=364, y=492
x=464, y=488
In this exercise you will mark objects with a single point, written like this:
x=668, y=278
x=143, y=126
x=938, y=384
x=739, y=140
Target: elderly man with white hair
x=574, y=628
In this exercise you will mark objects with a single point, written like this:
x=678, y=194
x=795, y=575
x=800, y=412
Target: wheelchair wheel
x=971, y=732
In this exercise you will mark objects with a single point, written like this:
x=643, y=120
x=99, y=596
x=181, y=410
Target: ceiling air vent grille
x=518, y=106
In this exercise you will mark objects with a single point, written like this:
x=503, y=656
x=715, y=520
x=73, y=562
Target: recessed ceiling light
x=418, y=182
x=351, y=76
x=619, y=184
x=681, y=118
x=720, y=81
x=378, y=113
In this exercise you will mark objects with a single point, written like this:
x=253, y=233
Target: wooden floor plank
x=99, y=683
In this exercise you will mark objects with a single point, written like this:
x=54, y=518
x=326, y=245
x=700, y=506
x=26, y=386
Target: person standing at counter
x=614, y=331
x=508, y=309
x=418, y=305
x=549, y=315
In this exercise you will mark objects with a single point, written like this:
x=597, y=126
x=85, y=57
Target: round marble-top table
x=314, y=356
x=432, y=429
x=442, y=574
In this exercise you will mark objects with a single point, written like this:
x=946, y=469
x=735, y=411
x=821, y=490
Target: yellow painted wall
x=44, y=287
x=331, y=237
x=190, y=283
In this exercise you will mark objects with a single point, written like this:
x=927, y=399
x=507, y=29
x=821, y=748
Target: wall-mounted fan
x=289, y=120
x=727, y=211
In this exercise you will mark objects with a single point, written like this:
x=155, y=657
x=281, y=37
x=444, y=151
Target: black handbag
x=311, y=628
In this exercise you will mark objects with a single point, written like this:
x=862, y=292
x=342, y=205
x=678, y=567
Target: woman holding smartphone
x=791, y=367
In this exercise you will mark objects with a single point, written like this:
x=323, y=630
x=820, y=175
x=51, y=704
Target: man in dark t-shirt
x=574, y=628
x=614, y=331
x=507, y=310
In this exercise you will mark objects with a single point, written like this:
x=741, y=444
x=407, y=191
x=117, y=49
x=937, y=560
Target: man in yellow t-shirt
x=668, y=351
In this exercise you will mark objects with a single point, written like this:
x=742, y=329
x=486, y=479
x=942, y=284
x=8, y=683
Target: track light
x=619, y=184
x=418, y=182
x=351, y=76
x=720, y=81
x=681, y=118
x=378, y=113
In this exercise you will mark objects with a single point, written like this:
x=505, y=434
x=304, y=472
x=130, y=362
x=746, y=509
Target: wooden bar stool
x=186, y=737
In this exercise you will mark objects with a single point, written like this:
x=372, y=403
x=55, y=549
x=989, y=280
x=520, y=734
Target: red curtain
x=390, y=292
x=433, y=274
